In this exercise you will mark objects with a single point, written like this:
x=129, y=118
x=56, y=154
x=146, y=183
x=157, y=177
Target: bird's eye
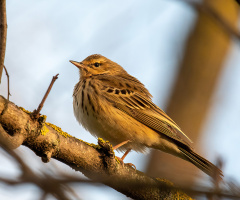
x=96, y=64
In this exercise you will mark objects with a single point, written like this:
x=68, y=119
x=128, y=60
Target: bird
x=115, y=106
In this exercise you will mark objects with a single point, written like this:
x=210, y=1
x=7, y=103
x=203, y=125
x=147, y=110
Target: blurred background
x=189, y=62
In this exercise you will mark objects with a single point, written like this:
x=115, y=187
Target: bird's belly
x=115, y=126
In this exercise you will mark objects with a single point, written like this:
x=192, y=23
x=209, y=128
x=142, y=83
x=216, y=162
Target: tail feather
x=201, y=163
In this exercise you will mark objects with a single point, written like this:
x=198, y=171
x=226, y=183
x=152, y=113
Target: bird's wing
x=141, y=108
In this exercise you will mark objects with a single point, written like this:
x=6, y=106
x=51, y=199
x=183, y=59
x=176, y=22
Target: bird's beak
x=77, y=64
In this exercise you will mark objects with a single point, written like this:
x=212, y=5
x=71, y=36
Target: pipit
x=116, y=106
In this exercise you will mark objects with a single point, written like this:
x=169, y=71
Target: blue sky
x=145, y=37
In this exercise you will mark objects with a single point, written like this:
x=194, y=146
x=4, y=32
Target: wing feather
x=137, y=103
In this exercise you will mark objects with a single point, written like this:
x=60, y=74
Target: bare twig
x=35, y=113
x=7, y=81
x=216, y=180
x=3, y=34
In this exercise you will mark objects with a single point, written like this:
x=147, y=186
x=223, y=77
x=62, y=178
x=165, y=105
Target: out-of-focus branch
x=238, y=1
x=3, y=34
x=211, y=12
x=95, y=161
x=203, y=59
x=209, y=193
x=48, y=184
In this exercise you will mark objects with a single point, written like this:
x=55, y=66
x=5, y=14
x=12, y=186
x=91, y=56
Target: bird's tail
x=201, y=163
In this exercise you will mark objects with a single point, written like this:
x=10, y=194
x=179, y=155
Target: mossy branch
x=95, y=161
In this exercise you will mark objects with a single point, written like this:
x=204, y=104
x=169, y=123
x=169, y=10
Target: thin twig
x=8, y=81
x=3, y=34
x=35, y=113
x=216, y=179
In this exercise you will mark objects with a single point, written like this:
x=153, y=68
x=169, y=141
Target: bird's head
x=97, y=64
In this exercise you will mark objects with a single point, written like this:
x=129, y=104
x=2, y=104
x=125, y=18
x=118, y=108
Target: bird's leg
x=125, y=154
x=121, y=144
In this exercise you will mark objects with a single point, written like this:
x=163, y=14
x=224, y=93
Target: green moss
x=166, y=181
x=42, y=119
x=24, y=110
x=101, y=140
x=44, y=130
x=178, y=194
x=116, y=158
x=95, y=146
x=59, y=130
x=105, y=144
x=182, y=196
x=66, y=135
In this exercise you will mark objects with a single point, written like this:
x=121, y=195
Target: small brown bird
x=115, y=106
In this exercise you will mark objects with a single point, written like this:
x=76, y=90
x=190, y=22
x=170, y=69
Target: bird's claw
x=123, y=164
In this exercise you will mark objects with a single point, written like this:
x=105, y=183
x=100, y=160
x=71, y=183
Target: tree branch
x=95, y=161
x=3, y=34
x=8, y=82
x=212, y=13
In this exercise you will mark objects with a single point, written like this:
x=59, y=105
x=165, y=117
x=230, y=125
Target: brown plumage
x=115, y=106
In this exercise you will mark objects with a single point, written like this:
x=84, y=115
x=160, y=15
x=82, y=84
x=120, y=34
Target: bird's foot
x=123, y=164
x=122, y=158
